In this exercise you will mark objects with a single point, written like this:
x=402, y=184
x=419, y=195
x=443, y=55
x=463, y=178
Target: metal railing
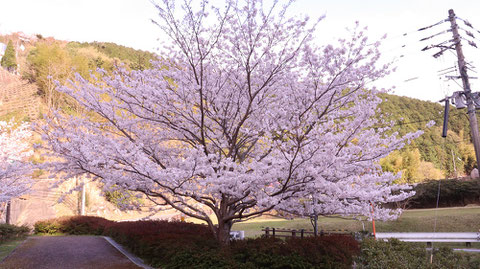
x=279, y=232
x=467, y=238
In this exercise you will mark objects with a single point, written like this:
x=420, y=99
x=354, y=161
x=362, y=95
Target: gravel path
x=66, y=252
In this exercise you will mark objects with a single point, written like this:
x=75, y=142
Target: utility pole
x=466, y=86
x=9, y=212
x=82, y=209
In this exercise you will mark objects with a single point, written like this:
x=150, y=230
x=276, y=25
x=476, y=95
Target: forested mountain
x=429, y=156
x=50, y=60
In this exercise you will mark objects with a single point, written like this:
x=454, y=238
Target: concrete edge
x=136, y=260
x=13, y=251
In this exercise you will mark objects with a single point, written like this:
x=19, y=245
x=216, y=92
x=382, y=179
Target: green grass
x=7, y=247
x=459, y=219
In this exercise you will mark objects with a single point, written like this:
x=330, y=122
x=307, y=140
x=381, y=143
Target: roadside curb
x=137, y=261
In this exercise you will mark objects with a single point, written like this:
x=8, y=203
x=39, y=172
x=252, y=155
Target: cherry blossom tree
x=244, y=114
x=14, y=151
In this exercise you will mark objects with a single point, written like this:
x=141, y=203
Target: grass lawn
x=7, y=247
x=455, y=219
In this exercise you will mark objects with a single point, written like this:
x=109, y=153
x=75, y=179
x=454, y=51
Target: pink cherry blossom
x=242, y=114
x=14, y=152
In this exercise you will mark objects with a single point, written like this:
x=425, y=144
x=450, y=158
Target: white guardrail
x=467, y=238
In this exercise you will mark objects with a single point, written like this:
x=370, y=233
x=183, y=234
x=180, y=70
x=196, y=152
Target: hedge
x=397, y=254
x=10, y=232
x=453, y=192
x=186, y=245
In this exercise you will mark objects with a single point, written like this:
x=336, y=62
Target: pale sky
x=128, y=22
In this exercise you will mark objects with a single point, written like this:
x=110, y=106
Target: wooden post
x=294, y=233
x=273, y=232
x=267, y=232
x=301, y=233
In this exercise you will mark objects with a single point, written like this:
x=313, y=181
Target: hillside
x=455, y=152
x=42, y=61
x=18, y=97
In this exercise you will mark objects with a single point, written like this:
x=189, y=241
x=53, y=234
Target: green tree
x=49, y=63
x=411, y=161
x=406, y=161
x=9, y=60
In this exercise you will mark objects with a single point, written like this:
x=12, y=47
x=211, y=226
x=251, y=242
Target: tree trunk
x=223, y=232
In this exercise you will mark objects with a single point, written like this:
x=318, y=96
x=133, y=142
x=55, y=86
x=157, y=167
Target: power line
x=437, y=34
x=467, y=23
x=409, y=33
x=433, y=25
x=405, y=34
x=399, y=123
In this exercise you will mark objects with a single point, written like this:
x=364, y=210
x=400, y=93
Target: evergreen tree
x=9, y=61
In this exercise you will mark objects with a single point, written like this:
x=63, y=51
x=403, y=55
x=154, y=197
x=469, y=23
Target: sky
x=128, y=22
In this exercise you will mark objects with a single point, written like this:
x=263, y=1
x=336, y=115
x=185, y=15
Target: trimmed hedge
x=453, y=192
x=78, y=225
x=10, y=232
x=333, y=251
x=397, y=254
x=186, y=245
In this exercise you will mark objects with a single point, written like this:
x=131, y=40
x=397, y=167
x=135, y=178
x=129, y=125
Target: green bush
x=334, y=251
x=397, y=254
x=48, y=227
x=9, y=232
x=77, y=225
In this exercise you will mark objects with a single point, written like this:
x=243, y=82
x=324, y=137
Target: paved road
x=66, y=252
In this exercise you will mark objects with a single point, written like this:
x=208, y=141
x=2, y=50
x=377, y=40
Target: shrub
x=334, y=251
x=158, y=242
x=73, y=225
x=397, y=254
x=47, y=227
x=9, y=232
x=85, y=225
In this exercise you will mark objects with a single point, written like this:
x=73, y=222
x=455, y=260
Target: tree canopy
x=9, y=59
x=14, y=169
x=246, y=115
